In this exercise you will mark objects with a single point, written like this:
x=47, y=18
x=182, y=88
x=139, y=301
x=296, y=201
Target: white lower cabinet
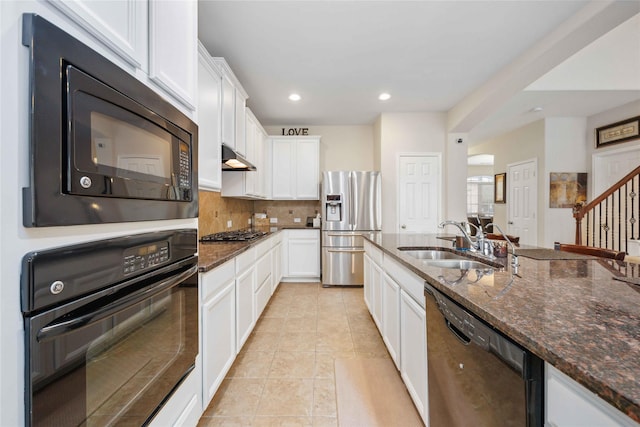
x=391, y=317
x=394, y=296
x=262, y=291
x=413, y=351
x=373, y=282
x=245, y=301
x=301, y=255
x=276, y=262
x=568, y=404
x=185, y=406
x=218, y=325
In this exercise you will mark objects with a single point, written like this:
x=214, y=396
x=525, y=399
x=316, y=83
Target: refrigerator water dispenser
x=333, y=207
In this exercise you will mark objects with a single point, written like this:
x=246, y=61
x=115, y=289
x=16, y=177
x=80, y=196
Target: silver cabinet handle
x=347, y=251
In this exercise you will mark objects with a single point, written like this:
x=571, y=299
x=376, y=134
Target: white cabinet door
x=276, y=266
x=306, y=166
x=209, y=126
x=568, y=404
x=413, y=351
x=262, y=292
x=218, y=329
x=240, y=105
x=284, y=155
x=121, y=26
x=184, y=408
x=301, y=255
x=245, y=320
x=173, y=48
x=376, y=294
x=391, y=317
x=295, y=166
x=367, y=281
x=228, y=112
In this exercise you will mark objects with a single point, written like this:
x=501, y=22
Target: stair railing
x=612, y=218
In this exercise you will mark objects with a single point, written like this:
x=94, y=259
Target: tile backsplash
x=287, y=210
x=216, y=211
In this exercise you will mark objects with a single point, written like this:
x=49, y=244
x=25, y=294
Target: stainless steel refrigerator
x=351, y=206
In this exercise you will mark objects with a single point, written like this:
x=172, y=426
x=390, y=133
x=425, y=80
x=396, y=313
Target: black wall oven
x=104, y=147
x=111, y=327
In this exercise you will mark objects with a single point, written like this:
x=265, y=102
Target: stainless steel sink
x=431, y=254
x=461, y=264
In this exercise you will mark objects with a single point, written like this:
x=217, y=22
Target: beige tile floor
x=284, y=375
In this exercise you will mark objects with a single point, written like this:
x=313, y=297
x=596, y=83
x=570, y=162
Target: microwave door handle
x=57, y=329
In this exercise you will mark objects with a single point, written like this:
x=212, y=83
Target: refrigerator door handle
x=350, y=201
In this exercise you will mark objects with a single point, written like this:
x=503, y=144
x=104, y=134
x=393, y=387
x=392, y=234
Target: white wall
x=406, y=133
x=614, y=115
x=519, y=145
x=341, y=147
x=565, y=151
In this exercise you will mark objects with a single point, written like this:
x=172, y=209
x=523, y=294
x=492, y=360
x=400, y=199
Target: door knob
x=403, y=226
x=510, y=223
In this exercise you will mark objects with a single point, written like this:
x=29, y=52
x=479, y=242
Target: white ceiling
x=429, y=55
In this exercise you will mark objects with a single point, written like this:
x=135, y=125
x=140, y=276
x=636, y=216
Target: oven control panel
x=140, y=258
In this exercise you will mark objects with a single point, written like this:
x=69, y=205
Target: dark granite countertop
x=213, y=254
x=571, y=313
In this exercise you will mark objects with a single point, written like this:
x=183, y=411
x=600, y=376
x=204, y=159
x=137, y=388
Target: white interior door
x=522, y=201
x=610, y=167
x=419, y=181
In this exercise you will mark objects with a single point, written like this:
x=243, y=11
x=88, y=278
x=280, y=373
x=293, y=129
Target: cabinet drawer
x=217, y=279
x=303, y=234
x=373, y=251
x=262, y=247
x=263, y=268
x=342, y=239
x=262, y=296
x=245, y=260
x=411, y=283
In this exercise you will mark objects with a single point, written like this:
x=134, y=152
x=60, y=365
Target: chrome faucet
x=514, y=256
x=473, y=245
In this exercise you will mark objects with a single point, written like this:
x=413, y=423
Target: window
x=480, y=195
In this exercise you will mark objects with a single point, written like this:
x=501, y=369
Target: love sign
x=295, y=131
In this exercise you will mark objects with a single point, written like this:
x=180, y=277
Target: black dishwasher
x=477, y=376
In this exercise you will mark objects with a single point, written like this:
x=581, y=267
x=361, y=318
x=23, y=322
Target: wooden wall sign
x=295, y=131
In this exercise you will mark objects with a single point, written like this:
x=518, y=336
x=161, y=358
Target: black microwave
x=104, y=147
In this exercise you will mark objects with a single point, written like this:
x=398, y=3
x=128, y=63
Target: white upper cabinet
x=209, y=122
x=228, y=113
x=173, y=47
x=295, y=168
x=250, y=184
x=234, y=100
x=158, y=37
x=241, y=142
x=121, y=26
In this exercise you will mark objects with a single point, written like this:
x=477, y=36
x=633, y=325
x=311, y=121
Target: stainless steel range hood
x=232, y=161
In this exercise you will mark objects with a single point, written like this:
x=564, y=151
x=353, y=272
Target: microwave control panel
x=144, y=257
x=185, y=172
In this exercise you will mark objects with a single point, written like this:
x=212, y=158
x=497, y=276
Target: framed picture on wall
x=500, y=188
x=618, y=132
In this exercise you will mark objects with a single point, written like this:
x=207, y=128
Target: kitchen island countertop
x=571, y=312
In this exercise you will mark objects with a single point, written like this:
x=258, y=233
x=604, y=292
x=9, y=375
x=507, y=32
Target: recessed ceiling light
x=295, y=97
x=384, y=96
x=536, y=109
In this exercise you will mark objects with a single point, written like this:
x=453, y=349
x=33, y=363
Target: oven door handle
x=62, y=327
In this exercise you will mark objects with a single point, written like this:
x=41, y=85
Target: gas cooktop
x=233, y=236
